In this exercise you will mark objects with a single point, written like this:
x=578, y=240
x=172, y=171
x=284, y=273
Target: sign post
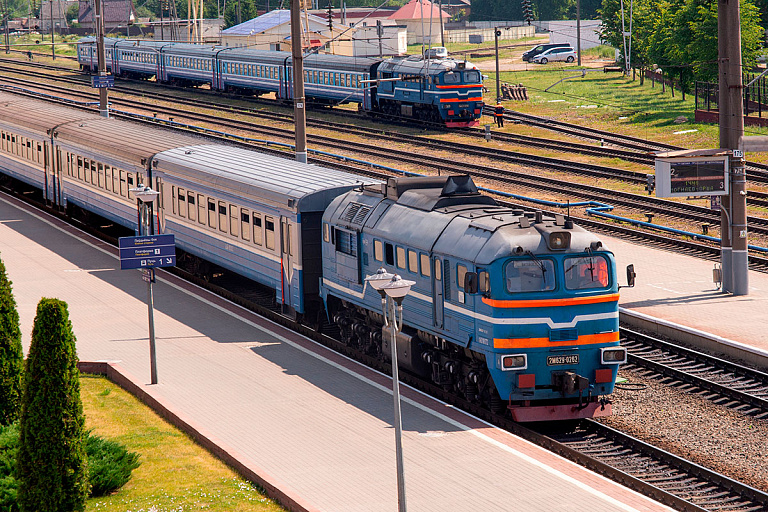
x=147, y=251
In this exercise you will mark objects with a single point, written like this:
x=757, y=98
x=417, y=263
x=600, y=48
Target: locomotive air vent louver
x=355, y=213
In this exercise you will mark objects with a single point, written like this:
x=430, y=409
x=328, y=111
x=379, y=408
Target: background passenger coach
x=515, y=310
x=439, y=90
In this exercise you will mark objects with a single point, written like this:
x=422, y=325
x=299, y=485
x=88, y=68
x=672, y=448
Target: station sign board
x=692, y=176
x=147, y=251
x=101, y=82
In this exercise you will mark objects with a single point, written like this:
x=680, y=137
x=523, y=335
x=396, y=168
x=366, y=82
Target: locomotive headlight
x=514, y=362
x=559, y=241
x=613, y=355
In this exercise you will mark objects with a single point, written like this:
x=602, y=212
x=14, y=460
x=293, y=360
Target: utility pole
x=578, y=31
x=496, y=34
x=102, y=60
x=734, y=256
x=7, y=36
x=299, y=111
x=379, y=33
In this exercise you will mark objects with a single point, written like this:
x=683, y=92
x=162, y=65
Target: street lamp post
x=395, y=288
x=146, y=199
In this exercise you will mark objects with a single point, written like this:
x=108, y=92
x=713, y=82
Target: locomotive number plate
x=555, y=360
x=463, y=105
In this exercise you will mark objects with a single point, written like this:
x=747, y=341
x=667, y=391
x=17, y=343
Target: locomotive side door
x=437, y=291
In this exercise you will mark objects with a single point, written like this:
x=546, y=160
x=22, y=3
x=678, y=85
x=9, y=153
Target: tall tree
x=51, y=465
x=11, y=353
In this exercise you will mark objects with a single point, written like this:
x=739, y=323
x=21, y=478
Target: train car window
x=201, y=206
x=378, y=250
x=234, y=214
x=326, y=232
x=257, y=234
x=451, y=78
x=413, y=261
x=212, y=213
x=191, y=208
x=123, y=188
x=94, y=174
x=389, y=253
x=461, y=271
x=587, y=272
x=529, y=275
x=101, y=175
x=345, y=242
x=245, y=224
x=269, y=227
x=130, y=179
x=222, y=216
x=438, y=270
x=483, y=282
x=79, y=168
x=425, y=266
x=400, y=252
x=182, y=199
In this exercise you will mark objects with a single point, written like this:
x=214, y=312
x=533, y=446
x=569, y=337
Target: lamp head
x=398, y=288
x=144, y=194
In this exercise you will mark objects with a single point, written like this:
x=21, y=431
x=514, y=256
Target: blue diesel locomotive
x=439, y=90
x=511, y=309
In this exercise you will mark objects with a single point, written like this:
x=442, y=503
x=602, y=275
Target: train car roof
x=416, y=64
x=283, y=182
x=36, y=115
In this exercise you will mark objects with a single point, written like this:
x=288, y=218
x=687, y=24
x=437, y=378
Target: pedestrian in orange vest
x=498, y=113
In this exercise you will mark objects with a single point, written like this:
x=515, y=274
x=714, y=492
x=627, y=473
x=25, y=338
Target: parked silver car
x=556, y=54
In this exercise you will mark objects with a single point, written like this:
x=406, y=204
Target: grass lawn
x=175, y=474
x=41, y=43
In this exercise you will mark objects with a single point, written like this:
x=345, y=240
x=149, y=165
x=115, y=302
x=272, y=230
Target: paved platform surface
x=312, y=423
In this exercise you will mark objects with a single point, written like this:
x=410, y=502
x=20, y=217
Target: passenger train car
x=511, y=309
x=437, y=90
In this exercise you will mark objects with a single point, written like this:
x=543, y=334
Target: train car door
x=437, y=289
x=286, y=262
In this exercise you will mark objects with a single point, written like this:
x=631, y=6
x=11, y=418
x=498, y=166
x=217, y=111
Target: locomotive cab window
x=536, y=275
x=451, y=78
x=586, y=272
x=461, y=272
x=483, y=282
x=326, y=232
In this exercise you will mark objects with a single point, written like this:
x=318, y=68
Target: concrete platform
x=309, y=423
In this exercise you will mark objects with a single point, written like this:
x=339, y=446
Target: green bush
x=11, y=353
x=51, y=467
x=9, y=447
x=109, y=465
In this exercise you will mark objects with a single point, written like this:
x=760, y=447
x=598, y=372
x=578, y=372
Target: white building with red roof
x=422, y=18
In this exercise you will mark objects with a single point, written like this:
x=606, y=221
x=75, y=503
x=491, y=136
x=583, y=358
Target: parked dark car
x=530, y=54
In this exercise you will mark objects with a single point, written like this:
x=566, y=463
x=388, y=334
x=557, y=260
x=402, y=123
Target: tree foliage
x=680, y=36
x=51, y=466
x=544, y=10
x=11, y=353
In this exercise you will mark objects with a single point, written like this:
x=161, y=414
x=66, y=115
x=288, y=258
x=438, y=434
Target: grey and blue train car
x=509, y=309
x=338, y=79
x=254, y=214
x=186, y=64
x=251, y=71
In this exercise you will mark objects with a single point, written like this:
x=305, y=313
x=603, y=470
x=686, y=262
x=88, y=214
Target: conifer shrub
x=109, y=464
x=11, y=353
x=51, y=466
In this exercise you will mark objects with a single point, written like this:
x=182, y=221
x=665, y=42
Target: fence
x=755, y=95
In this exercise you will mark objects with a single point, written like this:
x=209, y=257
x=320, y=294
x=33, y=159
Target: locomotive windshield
x=449, y=77
x=530, y=275
x=586, y=272
x=471, y=77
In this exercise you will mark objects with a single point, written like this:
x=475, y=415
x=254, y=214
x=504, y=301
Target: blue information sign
x=100, y=82
x=147, y=251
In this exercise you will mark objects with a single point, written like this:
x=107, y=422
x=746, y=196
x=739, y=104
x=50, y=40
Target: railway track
x=720, y=381
x=516, y=178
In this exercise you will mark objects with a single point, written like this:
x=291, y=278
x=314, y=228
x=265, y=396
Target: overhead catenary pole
x=102, y=61
x=299, y=111
x=578, y=31
x=496, y=34
x=7, y=35
x=734, y=255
